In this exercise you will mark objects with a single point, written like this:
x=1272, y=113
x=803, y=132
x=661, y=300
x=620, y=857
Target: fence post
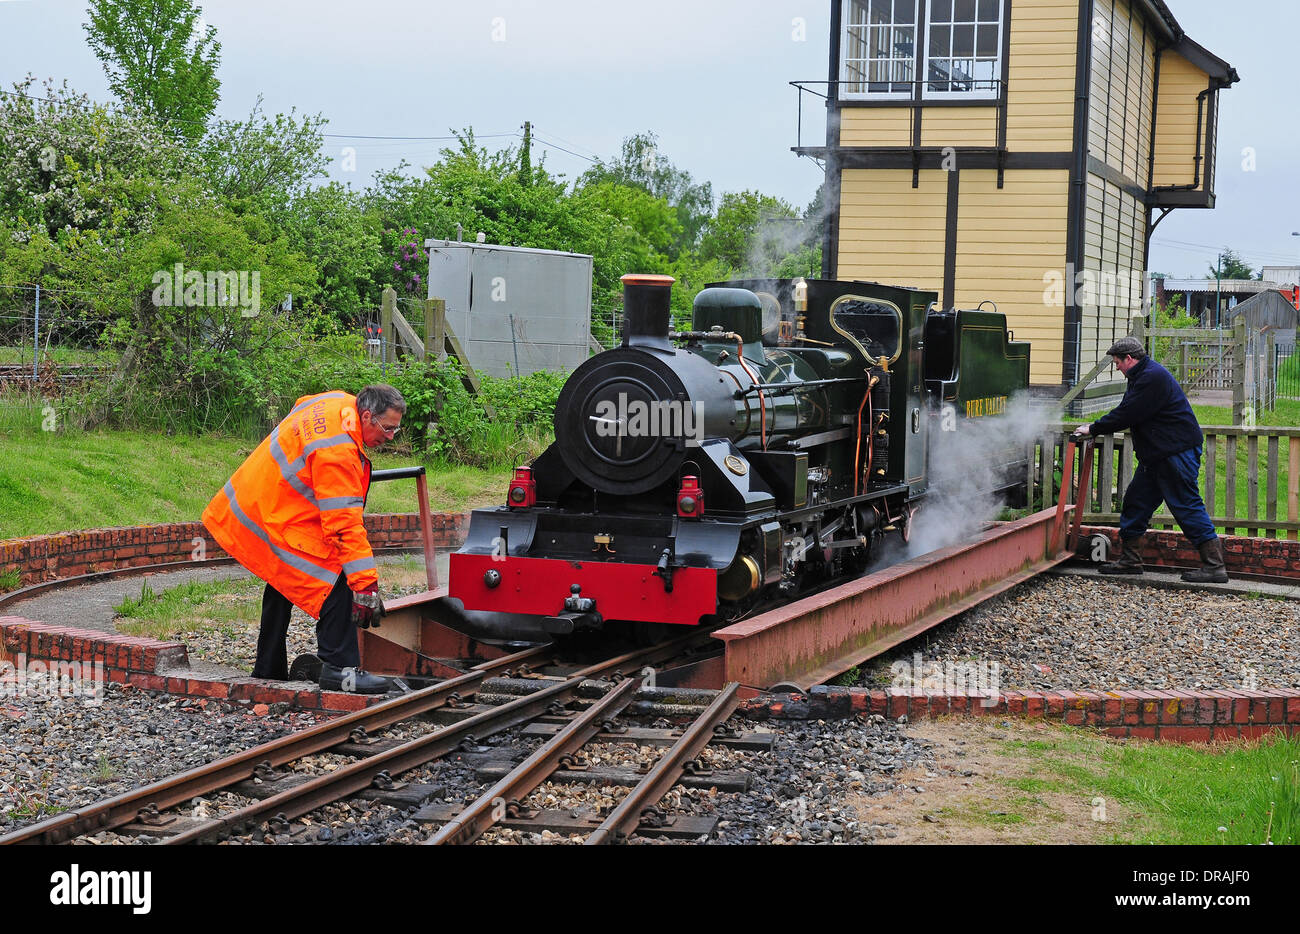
x=1185, y=361
x=386, y=327
x=435, y=329
x=1270, y=369
x=36, y=345
x=1239, y=371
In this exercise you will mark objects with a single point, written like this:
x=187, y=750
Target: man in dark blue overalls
x=1167, y=440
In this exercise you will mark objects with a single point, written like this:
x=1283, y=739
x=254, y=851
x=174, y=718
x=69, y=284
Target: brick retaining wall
x=40, y=558
x=152, y=665
x=1277, y=557
x=1178, y=716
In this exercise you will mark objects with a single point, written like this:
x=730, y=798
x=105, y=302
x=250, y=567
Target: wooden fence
x=1241, y=472
x=1200, y=358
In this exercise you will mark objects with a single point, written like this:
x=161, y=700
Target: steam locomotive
x=763, y=453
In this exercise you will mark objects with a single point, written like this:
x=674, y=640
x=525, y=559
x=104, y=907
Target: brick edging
x=1277, y=557
x=152, y=665
x=41, y=558
x=1178, y=716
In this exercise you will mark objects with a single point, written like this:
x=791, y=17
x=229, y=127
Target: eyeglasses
x=390, y=432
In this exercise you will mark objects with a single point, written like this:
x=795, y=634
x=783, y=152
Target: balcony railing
x=930, y=92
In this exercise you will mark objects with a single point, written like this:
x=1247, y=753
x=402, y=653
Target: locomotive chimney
x=645, y=310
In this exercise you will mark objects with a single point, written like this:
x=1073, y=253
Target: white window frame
x=846, y=81
x=991, y=93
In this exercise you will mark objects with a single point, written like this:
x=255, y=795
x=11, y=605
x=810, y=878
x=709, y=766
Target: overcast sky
x=710, y=77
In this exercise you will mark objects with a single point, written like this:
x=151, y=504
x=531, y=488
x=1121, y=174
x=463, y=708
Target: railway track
x=502, y=804
x=268, y=785
x=22, y=372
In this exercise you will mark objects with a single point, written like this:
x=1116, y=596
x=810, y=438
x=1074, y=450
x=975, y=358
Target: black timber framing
x=1075, y=214
x=950, y=241
x=902, y=157
x=1004, y=88
x=1151, y=157
x=833, y=168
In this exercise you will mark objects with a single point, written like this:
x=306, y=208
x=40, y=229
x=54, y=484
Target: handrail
x=923, y=92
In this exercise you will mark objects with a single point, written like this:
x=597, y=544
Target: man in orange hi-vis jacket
x=291, y=514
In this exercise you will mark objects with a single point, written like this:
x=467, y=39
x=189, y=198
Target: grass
x=230, y=605
x=32, y=803
x=10, y=580
x=848, y=679
x=221, y=605
x=1174, y=793
x=52, y=481
x=14, y=353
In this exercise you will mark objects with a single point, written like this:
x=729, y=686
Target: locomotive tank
x=627, y=418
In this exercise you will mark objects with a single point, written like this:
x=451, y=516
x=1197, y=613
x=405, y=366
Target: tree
x=71, y=164
x=158, y=54
x=261, y=163
x=642, y=165
x=752, y=232
x=1231, y=266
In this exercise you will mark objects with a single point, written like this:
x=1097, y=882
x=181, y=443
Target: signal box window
x=961, y=42
x=963, y=48
x=878, y=54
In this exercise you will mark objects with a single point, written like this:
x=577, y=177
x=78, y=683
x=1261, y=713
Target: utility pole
x=525, y=159
x=1218, y=287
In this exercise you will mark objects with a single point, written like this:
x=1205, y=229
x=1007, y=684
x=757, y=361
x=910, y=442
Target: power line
x=562, y=149
x=414, y=138
x=569, y=142
x=213, y=124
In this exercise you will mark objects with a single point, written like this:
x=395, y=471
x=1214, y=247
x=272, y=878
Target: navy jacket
x=1156, y=412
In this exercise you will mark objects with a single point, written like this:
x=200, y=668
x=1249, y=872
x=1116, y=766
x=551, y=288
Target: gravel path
x=1069, y=632
x=90, y=606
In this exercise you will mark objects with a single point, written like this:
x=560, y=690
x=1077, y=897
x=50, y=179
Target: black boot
x=1128, y=562
x=353, y=681
x=1212, y=570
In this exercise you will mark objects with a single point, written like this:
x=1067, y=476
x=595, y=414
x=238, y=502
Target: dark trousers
x=336, y=636
x=1172, y=480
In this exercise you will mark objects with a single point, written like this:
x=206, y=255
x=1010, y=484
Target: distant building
x=1198, y=298
x=1281, y=276
x=989, y=149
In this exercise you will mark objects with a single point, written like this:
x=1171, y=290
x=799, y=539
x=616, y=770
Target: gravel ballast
x=1090, y=633
x=61, y=752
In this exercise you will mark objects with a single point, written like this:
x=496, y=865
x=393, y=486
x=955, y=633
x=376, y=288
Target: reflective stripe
x=289, y=471
x=290, y=476
x=333, y=441
x=324, y=575
x=341, y=502
x=361, y=564
x=314, y=399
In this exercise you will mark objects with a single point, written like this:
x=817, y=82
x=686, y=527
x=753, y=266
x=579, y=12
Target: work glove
x=367, y=607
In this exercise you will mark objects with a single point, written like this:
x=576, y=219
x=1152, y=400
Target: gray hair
x=378, y=399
